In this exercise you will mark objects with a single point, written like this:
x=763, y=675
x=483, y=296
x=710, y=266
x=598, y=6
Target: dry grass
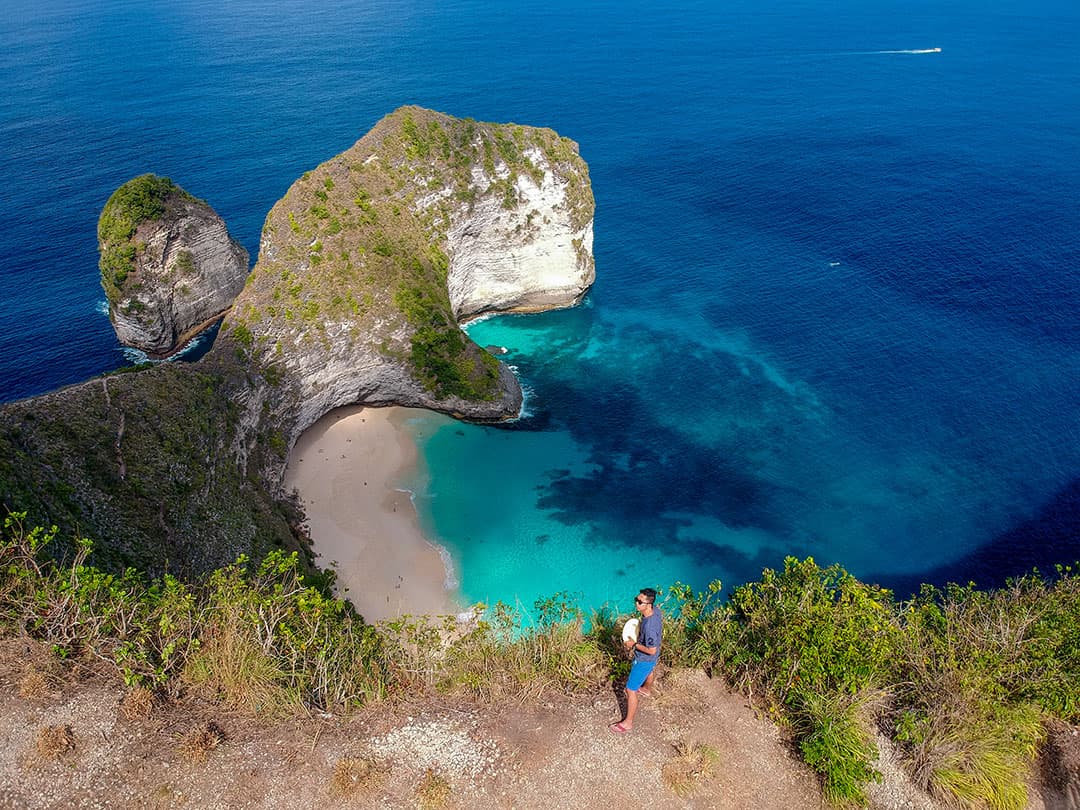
x=433, y=792
x=968, y=750
x=35, y=685
x=232, y=668
x=494, y=662
x=138, y=704
x=692, y=764
x=54, y=742
x=353, y=775
x=678, y=690
x=38, y=674
x=197, y=744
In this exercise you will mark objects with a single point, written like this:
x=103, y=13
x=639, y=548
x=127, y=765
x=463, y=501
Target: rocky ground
x=78, y=743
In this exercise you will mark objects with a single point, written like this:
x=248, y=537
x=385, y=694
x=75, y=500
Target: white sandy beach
x=345, y=467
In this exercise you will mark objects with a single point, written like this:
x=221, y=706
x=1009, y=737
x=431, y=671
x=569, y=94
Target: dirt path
x=555, y=754
x=72, y=744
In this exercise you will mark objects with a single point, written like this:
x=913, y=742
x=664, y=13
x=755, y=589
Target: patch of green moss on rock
x=141, y=199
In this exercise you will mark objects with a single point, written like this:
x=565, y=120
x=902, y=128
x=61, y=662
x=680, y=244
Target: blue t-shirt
x=649, y=633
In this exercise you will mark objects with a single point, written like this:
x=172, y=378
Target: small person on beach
x=646, y=649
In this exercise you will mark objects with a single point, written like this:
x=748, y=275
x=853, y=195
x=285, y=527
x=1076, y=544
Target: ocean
x=838, y=269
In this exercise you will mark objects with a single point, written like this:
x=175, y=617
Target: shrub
x=242, y=335
x=258, y=636
x=835, y=742
x=977, y=671
x=273, y=642
x=1047, y=662
x=144, y=630
x=816, y=642
x=686, y=614
x=965, y=749
x=185, y=262
x=416, y=144
x=812, y=629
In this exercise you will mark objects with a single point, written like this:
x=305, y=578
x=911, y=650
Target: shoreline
x=346, y=468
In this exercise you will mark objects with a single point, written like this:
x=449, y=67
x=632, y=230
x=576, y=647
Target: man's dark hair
x=650, y=594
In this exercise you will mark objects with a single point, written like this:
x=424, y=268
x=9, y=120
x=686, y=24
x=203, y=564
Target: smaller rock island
x=168, y=265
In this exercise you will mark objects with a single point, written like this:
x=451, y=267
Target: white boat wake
x=914, y=50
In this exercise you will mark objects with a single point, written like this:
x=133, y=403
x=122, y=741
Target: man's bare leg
x=631, y=709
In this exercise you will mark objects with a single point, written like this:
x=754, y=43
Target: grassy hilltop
x=963, y=685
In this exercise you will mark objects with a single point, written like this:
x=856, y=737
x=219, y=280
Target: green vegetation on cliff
x=141, y=199
x=438, y=347
x=154, y=462
x=963, y=680
x=265, y=638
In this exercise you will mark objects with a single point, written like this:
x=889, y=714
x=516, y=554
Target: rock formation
x=169, y=267
x=369, y=261
x=365, y=268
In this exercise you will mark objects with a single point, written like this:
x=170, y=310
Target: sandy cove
x=345, y=468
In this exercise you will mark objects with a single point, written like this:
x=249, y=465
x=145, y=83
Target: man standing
x=646, y=653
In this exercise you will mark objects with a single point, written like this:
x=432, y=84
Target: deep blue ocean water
x=838, y=282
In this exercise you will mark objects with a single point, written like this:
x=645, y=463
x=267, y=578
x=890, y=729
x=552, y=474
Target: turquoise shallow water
x=506, y=548
x=693, y=460
x=838, y=287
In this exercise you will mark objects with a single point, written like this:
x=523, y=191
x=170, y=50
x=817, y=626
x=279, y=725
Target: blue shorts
x=639, y=671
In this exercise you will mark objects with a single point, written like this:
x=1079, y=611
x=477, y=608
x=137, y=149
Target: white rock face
x=187, y=274
x=528, y=257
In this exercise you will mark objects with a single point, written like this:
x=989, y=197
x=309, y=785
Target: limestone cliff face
x=182, y=268
x=533, y=255
x=370, y=260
